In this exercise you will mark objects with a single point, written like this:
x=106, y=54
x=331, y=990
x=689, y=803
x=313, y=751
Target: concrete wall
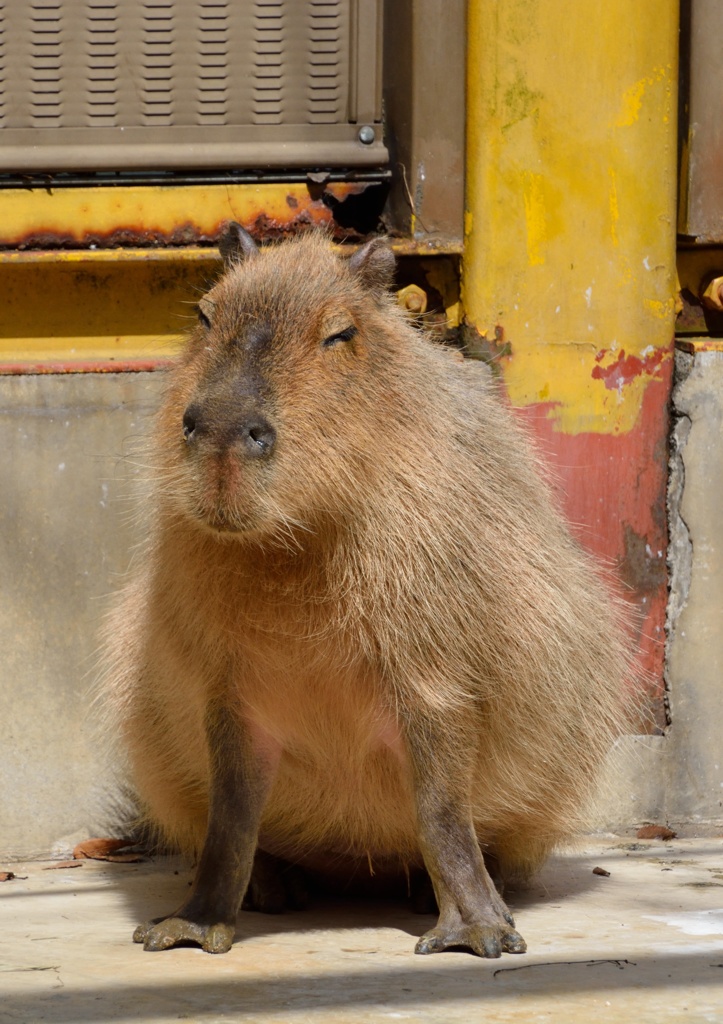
x=65, y=537
x=694, y=778
x=69, y=469
x=678, y=777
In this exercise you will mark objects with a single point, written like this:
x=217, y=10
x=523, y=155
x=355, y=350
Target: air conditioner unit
x=134, y=85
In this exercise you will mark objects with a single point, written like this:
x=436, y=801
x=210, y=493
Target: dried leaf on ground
x=107, y=849
x=64, y=864
x=655, y=832
x=7, y=876
x=601, y=871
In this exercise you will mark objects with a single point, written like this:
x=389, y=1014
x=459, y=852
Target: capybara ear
x=236, y=245
x=374, y=265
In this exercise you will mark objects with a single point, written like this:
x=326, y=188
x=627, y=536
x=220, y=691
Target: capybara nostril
x=190, y=422
x=259, y=437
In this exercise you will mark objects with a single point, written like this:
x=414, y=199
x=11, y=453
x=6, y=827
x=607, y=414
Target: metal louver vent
x=324, y=46
x=213, y=57
x=102, y=38
x=172, y=84
x=158, y=55
x=268, y=65
x=46, y=63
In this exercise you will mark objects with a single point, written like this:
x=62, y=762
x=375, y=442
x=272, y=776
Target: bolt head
x=413, y=299
x=367, y=135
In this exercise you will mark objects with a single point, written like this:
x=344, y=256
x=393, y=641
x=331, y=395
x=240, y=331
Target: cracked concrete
x=694, y=759
x=680, y=548
x=643, y=944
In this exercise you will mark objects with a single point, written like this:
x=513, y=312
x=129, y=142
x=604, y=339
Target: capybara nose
x=258, y=437
x=256, y=434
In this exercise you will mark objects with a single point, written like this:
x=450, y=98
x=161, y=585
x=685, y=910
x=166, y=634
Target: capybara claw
x=429, y=943
x=485, y=940
x=177, y=931
x=139, y=935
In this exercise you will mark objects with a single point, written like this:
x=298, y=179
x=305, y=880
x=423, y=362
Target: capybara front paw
x=483, y=939
x=165, y=933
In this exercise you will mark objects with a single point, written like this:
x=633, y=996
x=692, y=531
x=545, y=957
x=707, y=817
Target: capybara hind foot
x=483, y=938
x=275, y=886
x=165, y=933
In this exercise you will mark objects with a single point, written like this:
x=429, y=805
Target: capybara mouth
x=219, y=523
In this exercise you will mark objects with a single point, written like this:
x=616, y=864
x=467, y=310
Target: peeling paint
x=555, y=208
x=612, y=488
x=627, y=368
x=585, y=392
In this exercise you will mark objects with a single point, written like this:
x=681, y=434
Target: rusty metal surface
x=695, y=345
x=184, y=215
x=57, y=366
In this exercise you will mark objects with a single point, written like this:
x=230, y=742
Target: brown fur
x=397, y=559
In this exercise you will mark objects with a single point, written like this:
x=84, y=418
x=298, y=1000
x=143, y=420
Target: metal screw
x=367, y=135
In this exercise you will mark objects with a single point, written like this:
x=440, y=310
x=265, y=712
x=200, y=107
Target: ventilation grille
x=102, y=78
x=213, y=58
x=46, y=64
x=158, y=59
x=268, y=63
x=190, y=74
x=325, y=43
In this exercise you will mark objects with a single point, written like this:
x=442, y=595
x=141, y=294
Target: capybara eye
x=202, y=318
x=335, y=339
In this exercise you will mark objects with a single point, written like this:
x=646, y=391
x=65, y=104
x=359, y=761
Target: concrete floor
x=644, y=944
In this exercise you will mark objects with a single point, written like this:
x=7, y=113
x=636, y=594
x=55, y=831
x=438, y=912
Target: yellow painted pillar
x=569, y=263
x=570, y=200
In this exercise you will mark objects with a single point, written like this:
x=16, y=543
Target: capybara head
x=279, y=402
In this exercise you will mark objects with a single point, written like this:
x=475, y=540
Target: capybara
x=360, y=631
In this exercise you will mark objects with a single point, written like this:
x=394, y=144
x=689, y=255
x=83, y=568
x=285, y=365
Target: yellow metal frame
x=167, y=214
x=109, y=309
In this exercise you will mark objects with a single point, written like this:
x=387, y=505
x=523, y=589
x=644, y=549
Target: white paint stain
x=588, y=296
x=646, y=263
x=693, y=922
x=61, y=466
